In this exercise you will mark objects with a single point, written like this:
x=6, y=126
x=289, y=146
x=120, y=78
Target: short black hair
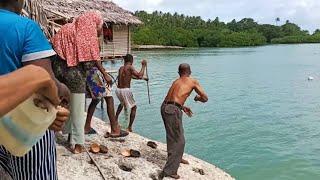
x=12, y=5
x=184, y=68
x=5, y=2
x=128, y=58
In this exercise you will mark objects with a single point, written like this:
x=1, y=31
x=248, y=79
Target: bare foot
x=116, y=130
x=129, y=129
x=183, y=161
x=175, y=176
x=87, y=129
x=77, y=149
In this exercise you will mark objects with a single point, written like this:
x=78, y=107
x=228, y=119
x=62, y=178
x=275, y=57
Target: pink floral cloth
x=78, y=41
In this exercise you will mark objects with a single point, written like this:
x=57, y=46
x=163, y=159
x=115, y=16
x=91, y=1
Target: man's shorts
x=125, y=97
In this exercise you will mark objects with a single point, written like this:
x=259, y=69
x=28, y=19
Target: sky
x=305, y=13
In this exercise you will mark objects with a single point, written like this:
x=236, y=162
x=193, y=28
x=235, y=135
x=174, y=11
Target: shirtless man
x=171, y=112
x=123, y=92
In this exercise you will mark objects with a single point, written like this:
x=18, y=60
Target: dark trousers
x=172, y=118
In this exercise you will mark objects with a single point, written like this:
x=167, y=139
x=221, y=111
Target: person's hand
x=62, y=117
x=144, y=62
x=64, y=94
x=107, y=78
x=42, y=102
x=196, y=98
x=49, y=91
x=188, y=111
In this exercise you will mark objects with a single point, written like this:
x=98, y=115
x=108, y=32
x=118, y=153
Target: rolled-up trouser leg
x=75, y=126
x=172, y=118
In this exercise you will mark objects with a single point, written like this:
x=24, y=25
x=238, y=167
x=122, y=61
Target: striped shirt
x=38, y=164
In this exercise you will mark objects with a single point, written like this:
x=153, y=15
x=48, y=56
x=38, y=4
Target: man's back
x=181, y=90
x=125, y=76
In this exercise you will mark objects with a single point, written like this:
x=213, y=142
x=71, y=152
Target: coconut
x=95, y=148
x=103, y=149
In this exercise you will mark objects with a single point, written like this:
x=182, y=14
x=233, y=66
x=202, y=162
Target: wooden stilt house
x=52, y=14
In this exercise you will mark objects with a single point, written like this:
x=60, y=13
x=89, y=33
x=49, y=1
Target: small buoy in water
x=310, y=78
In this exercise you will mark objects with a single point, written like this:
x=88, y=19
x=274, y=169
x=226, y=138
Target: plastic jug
x=21, y=128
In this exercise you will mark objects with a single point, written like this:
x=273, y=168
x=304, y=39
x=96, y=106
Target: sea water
x=262, y=120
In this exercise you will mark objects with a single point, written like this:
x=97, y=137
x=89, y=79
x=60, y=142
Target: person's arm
x=202, y=96
x=36, y=51
x=144, y=78
x=27, y=80
x=63, y=91
x=104, y=73
x=139, y=75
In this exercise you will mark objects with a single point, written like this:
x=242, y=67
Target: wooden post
x=129, y=41
x=102, y=100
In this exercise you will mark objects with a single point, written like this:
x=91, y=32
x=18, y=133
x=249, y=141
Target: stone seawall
x=115, y=166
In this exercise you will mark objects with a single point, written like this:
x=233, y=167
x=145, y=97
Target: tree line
x=192, y=31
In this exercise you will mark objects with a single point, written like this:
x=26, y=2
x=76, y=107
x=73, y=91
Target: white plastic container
x=21, y=128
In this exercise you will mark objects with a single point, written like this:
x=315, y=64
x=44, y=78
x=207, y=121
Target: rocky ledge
x=115, y=166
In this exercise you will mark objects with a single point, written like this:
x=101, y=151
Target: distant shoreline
x=155, y=47
x=161, y=47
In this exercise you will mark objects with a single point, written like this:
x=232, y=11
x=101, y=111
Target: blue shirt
x=21, y=40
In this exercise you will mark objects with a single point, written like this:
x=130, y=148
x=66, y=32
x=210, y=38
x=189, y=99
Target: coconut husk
x=125, y=152
x=152, y=144
x=198, y=170
x=130, y=153
x=103, y=149
x=134, y=153
x=94, y=148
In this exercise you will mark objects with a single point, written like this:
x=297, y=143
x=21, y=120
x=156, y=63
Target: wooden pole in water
x=148, y=84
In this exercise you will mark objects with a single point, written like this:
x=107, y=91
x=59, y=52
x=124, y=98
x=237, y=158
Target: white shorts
x=125, y=97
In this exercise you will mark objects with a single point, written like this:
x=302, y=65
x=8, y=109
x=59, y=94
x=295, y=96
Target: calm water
x=262, y=120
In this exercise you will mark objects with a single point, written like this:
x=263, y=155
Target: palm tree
x=277, y=20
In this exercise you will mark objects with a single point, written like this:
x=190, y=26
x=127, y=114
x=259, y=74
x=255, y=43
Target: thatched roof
x=110, y=11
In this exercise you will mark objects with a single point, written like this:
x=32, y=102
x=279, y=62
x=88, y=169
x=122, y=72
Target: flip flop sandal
x=91, y=131
x=122, y=134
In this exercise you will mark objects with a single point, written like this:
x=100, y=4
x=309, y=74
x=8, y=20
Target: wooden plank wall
x=121, y=44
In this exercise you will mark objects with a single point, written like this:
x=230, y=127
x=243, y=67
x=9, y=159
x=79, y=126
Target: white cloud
x=303, y=12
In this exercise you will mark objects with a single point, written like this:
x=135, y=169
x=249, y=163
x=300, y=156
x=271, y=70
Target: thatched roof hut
x=52, y=14
x=72, y=8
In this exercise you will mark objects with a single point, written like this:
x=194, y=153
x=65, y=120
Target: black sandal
x=122, y=134
x=91, y=131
